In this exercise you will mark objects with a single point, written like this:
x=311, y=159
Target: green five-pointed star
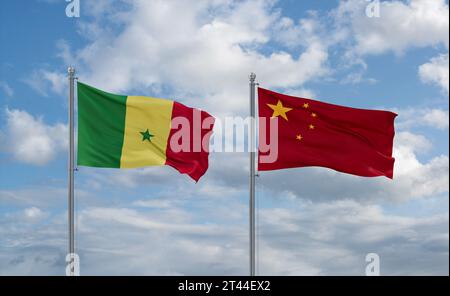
x=146, y=136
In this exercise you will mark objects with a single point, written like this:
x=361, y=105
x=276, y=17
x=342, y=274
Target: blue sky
x=154, y=221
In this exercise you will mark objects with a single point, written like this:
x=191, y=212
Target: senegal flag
x=116, y=131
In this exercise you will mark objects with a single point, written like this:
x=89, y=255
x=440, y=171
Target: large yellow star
x=279, y=110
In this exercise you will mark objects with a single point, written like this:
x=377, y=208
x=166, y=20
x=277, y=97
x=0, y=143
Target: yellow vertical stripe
x=142, y=114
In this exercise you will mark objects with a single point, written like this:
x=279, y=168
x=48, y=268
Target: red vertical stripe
x=193, y=162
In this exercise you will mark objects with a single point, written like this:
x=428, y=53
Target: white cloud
x=357, y=77
x=415, y=117
x=6, y=89
x=65, y=55
x=415, y=179
x=297, y=238
x=30, y=140
x=437, y=118
x=175, y=224
x=30, y=215
x=206, y=54
x=337, y=235
x=436, y=72
x=33, y=197
x=401, y=25
x=153, y=203
x=33, y=215
x=44, y=81
x=412, y=142
x=306, y=31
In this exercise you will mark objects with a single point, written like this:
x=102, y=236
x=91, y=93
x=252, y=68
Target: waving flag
x=117, y=131
x=313, y=133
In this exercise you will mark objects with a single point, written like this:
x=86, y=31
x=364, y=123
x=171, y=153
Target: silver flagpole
x=252, y=174
x=71, y=73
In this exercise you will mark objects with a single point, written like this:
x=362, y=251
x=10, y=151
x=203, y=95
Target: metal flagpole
x=252, y=174
x=71, y=73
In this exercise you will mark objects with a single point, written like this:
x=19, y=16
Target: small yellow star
x=311, y=126
x=279, y=110
x=314, y=115
x=299, y=137
x=306, y=105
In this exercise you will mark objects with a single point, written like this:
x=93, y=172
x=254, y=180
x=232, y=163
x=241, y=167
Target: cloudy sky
x=153, y=221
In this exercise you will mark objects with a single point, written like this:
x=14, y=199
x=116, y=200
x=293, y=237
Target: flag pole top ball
x=252, y=76
x=71, y=71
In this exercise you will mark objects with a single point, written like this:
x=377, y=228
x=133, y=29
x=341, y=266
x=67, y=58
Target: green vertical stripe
x=101, y=125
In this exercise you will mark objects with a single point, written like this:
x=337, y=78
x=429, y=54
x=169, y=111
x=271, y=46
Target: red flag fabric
x=192, y=157
x=313, y=133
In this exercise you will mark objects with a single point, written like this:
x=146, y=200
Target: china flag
x=313, y=133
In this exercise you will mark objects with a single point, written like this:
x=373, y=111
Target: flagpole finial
x=252, y=77
x=71, y=71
